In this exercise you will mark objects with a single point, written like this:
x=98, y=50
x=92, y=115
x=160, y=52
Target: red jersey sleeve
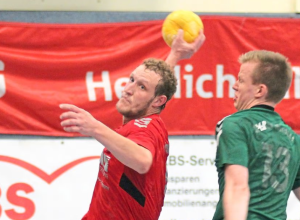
x=142, y=132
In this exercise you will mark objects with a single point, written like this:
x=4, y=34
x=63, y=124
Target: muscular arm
x=297, y=193
x=182, y=50
x=236, y=192
x=126, y=151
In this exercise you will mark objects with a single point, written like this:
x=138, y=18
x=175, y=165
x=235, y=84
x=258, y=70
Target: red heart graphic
x=40, y=173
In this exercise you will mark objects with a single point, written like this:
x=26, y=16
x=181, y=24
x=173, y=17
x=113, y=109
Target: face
x=138, y=95
x=245, y=91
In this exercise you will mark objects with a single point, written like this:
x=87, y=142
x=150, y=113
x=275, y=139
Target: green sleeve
x=297, y=180
x=232, y=145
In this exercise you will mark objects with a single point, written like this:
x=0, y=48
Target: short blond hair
x=273, y=70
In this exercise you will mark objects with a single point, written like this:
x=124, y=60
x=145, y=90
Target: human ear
x=262, y=91
x=159, y=101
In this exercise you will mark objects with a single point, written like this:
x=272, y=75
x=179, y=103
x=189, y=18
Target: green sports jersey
x=258, y=139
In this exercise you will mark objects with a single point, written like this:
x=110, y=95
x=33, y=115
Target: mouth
x=235, y=98
x=125, y=99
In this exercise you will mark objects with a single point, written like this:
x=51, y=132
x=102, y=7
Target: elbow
x=143, y=170
x=237, y=188
x=246, y=190
x=241, y=188
x=243, y=191
x=145, y=166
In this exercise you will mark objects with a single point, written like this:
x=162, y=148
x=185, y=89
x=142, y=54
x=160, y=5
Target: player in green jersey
x=258, y=155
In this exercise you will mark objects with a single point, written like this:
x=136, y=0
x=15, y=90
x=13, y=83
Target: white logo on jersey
x=261, y=126
x=103, y=168
x=142, y=123
x=104, y=161
x=219, y=129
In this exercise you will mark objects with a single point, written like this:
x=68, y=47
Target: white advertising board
x=46, y=179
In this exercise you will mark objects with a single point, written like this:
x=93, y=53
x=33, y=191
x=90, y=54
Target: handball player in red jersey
x=132, y=174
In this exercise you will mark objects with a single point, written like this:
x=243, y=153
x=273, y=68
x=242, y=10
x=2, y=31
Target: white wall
x=219, y=6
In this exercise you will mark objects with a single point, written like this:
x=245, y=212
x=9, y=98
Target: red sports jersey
x=122, y=193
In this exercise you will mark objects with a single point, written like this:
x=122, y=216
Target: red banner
x=43, y=65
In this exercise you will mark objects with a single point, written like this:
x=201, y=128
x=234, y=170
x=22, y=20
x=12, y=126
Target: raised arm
x=236, y=192
x=126, y=151
x=182, y=50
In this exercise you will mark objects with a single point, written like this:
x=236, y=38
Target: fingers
x=70, y=118
x=180, y=34
x=71, y=125
x=71, y=129
x=178, y=39
x=77, y=120
x=66, y=115
x=200, y=38
x=180, y=42
x=199, y=41
x=69, y=122
x=70, y=107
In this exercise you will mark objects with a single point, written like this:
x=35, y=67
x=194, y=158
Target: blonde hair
x=273, y=70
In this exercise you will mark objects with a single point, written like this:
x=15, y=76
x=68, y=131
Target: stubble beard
x=129, y=114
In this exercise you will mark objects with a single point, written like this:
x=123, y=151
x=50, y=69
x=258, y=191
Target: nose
x=235, y=85
x=128, y=88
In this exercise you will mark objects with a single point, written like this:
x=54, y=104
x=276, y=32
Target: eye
x=142, y=87
x=131, y=79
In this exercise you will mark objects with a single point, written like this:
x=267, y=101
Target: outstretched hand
x=78, y=120
x=181, y=50
x=187, y=50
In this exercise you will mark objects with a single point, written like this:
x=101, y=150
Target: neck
x=126, y=119
x=272, y=104
x=256, y=102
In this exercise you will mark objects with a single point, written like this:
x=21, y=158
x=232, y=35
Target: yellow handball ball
x=188, y=21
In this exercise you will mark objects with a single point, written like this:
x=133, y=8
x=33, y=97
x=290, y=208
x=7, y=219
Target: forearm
x=172, y=59
x=235, y=202
x=297, y=193
x=126, y=151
